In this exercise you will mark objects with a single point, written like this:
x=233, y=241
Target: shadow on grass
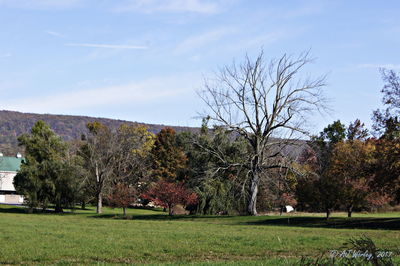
x=13, y=210
x=310, y=222
x=21, y=209
x=339, y=223
x=158, y=217
x=24, y=210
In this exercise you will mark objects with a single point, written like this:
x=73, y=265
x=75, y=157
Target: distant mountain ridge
x=69, y=127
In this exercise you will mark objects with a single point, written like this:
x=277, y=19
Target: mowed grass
x=150, y=236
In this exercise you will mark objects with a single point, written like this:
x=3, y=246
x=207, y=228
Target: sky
x=144, y=60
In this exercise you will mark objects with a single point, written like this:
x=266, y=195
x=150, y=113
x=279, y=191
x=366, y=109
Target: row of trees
x=340, y=169
x=257, y=111
x=347, y=168
x=120, y=167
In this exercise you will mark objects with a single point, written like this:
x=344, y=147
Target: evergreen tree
x=47, y=175
x=211, y=173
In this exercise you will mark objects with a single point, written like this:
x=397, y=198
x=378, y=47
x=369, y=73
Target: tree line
x=240, y=162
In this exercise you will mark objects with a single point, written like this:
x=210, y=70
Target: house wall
x=13, y=199
x=6, y=181
x=7, y=189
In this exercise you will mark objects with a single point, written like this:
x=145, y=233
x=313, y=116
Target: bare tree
x=99, y=152
x=267, y=103
x=115, y=156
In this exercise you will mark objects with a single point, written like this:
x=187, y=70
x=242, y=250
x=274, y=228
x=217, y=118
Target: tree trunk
x=349, y=210
x=328, y=213
x=99, y=203
x=255, y=175
x=99, y=189
x=124, y=209
x=170, y=210
x=253, y=191
x=58, y=208
x=83, y=205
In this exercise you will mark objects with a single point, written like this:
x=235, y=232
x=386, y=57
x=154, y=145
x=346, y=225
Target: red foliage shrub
x=168, y=194
x=122, y=196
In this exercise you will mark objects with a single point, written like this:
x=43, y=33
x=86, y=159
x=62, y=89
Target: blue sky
x=143, y=60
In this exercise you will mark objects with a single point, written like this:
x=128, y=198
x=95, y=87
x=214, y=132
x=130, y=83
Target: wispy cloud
x=152, y=6
x=5, y=55
x=203, y=39
x=143, y=92
x=40, y=4
x=55, y=34
x=389, y=66
x=107, y=46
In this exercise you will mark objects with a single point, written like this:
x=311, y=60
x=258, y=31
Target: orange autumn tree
x=352, y=165
x=168, y=158
x=169, y=161
x=338, y=169
x=387, y=169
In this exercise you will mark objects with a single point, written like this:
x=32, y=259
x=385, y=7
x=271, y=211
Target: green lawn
x=150, y=236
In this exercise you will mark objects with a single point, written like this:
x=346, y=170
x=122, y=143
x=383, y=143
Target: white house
x=9, y=166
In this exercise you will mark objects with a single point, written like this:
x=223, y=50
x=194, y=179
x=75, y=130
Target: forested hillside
x=13, y=124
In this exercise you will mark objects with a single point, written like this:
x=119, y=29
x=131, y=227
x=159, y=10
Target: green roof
x=11, y=164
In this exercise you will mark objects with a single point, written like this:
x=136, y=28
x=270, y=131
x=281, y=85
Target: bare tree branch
x=260, y=100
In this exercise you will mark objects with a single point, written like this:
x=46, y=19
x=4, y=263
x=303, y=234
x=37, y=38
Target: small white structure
x=289, y=208
x=9, y=166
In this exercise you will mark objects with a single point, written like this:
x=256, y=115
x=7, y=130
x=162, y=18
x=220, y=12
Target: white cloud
x=40, y=4
x=107, y=46
x=152, y=6
x=388, y=66
x=144, y=92
x=200, y=40
x=55, y=34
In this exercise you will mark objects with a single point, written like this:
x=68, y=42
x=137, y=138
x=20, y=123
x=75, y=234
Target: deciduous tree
x=169, y=194
x=258, y=101
x=168, y=159
x=387, y=167
x=317, y=189
x=122, y=196
x=99, y=152
x=387, y=121
x=352, y=165
x=114, y=156
x=387, y=125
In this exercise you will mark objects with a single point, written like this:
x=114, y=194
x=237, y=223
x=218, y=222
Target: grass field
x=150, y=236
